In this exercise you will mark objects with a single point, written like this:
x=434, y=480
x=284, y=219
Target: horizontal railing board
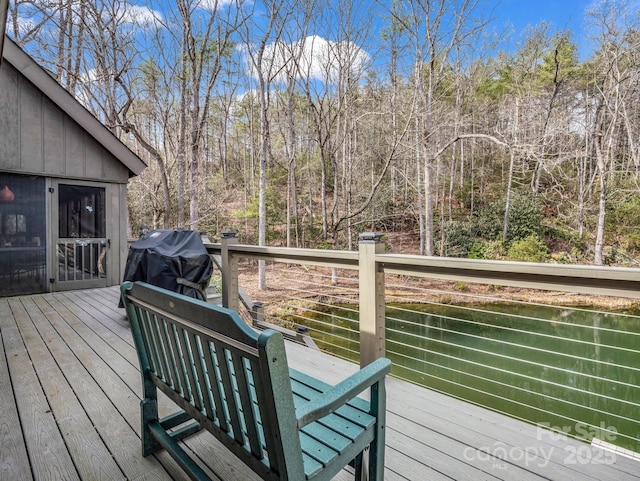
x=609, y=281
x=340, y=259
x=318, y=257
x=582, y=279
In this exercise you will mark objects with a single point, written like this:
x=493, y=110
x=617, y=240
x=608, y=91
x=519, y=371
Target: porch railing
x=576, y=377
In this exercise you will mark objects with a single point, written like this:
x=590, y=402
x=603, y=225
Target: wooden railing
x=372, y=263
x=468, y=355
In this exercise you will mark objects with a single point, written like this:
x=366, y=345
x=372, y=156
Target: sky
x=561, y=14
x=509, y=17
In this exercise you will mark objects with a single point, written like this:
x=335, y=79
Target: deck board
x=102, y=370
x=14, y=462
x=90, y=456
x=69, y=409
x=49, y=457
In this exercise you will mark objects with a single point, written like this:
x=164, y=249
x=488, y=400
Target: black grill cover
x=174, y=259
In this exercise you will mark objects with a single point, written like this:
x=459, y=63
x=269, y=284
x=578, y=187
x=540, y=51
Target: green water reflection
x=576, y=370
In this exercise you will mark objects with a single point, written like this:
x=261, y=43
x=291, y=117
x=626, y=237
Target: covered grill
x=173, y=259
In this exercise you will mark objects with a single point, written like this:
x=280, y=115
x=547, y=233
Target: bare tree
x=206, y=41
x=292, y=50
x=615, y=74
x=266, y=63
x=436, y=28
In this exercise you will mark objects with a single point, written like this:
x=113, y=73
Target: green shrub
x=492, y=250
x=525, y=218
x=458, y=239
x=216, y=283
x=623, y=214
x=562, y=258
x=633, y=242
x=531, y=249
x=276, y=212
x=477, y=251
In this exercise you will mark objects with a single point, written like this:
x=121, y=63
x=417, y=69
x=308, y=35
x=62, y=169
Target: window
x=81, y=212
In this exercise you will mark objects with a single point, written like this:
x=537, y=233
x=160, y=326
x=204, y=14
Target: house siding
x=9, y=116
x=39, y=138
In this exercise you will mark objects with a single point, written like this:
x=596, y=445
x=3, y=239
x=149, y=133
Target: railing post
x=230, y=290
x=371, y=287
x=204, y=237
x=257, y=313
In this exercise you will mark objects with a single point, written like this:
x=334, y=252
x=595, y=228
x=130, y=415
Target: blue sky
x=560, y=14
x=510, y=19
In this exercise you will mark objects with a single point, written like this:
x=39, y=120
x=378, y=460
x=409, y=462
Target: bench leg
x=358, y=467
x=366, y=464
x=148, y=414
x=177, y=453
x=377, y=447
x=375, y=466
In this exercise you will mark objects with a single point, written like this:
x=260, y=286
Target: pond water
x=574, y=370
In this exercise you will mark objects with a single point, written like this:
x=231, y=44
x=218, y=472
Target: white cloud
x=24, y=24
x=141, y=16
x=125, y=13
x=213, y=5
x=314, y=58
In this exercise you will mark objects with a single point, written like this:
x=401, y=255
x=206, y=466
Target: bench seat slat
x=321, y=452
x=351, y=412
x=324, y=440
x=315, y=386
x=341, y=424
x=321, y=431
x=311, y=466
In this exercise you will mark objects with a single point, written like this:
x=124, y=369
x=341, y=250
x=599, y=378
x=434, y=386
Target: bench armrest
x=338, y=395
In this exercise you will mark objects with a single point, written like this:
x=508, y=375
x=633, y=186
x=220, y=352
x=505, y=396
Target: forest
x=304, y=123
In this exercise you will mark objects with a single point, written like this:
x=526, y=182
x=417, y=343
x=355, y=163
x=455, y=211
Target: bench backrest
x=232, y=380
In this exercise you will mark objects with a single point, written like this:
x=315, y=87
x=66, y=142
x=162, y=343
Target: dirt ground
x=314, y=285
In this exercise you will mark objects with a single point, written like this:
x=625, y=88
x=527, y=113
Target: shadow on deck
x=69, y=394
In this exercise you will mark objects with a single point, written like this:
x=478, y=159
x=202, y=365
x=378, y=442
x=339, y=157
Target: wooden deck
x=69, y=394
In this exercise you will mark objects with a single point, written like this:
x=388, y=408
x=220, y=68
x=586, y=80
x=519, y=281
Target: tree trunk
x=420, y=188
x=262, y=202
x=602, y=204
x=507, y=202
x=182, y=141
x=428, y=206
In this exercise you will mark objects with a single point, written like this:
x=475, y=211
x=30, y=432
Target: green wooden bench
x=235, y=382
